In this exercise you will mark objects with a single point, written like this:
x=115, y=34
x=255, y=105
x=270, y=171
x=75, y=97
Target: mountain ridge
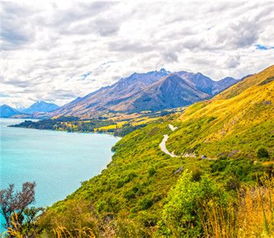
x=7, y=111
x=40, y=106
x=127, y=94
x=38, y=109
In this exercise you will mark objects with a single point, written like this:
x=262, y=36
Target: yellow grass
x=251, y=217
x=247, y=108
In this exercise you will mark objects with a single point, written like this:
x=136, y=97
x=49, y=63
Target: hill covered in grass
x=235, y=122
x=144, y=192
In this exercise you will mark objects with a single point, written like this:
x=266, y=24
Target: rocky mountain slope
x=155, y=90
x=36, y=110
x=7, y=111
x=40, y=106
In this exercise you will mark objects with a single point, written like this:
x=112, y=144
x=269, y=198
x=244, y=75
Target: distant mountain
x=111, y=97
x=7, y=111
x=205, y=84
x=199, y=81
x=155, y=90
x=169, y=92
x=223, y=84
x=40, y=106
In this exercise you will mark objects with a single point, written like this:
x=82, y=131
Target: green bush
x=196, y=174
x=125, y=180
x=145, y=203
x=151, y=172
x=110, y=204
x=130, y=194
x=181, y=214
x=240, y=169
x=262, y=153
x=232, y=183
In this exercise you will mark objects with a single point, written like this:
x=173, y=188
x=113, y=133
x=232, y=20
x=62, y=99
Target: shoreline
x=43, y=166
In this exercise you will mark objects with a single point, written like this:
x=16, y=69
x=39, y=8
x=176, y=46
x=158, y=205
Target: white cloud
x=58, y=50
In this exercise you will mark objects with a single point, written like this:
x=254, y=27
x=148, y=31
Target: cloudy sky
x=58, y=50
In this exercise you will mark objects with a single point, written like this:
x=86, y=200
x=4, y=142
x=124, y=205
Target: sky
x=59, y=50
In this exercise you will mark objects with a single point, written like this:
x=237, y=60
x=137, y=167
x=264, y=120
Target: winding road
x=162, y=145
x=173, y=128
x=163, y=148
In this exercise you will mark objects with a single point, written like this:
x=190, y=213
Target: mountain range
x=38, y=109
x=40, y=106
x=151, y=91
x=7, y=111
x=155, y=90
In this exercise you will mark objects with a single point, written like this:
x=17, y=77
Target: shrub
x=262, y=153
x=196, y=174
x=125, y=180
x=145, y=203
x=147, y=219
x=109, y=204
x=251, y=214
x=182, y=213
x=76, y=219
x=241, y=169
x=130, y=195
x=232, y=184
x=151, y=172
x=20, y=219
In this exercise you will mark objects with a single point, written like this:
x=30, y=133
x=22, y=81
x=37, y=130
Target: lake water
x=57, y=161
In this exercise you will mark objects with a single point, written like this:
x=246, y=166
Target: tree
x=14, y=208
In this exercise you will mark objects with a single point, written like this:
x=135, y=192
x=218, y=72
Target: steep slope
x=7, y=111
x=128, y=197
x=105, y=98
x=40, y=106
x=223, y=84
x=169, y=92
x=199, y=81
x=244, y=84
x=231, y=120
x=145, y=91
x=205, y=84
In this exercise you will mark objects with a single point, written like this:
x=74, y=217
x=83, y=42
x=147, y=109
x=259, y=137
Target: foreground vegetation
x=195, y=207
x=220, y=184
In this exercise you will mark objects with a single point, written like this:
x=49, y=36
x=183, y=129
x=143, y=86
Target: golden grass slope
x=252, y=106
x=248, y=82
x=245, y=108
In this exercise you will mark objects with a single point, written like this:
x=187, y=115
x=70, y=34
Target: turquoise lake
x=57, y=161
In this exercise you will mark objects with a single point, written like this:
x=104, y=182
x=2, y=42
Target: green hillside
x=229, y=124
x=146, y=193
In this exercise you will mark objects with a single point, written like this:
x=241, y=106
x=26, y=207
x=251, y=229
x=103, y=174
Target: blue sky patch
x=263, y=47
x=83, y=76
